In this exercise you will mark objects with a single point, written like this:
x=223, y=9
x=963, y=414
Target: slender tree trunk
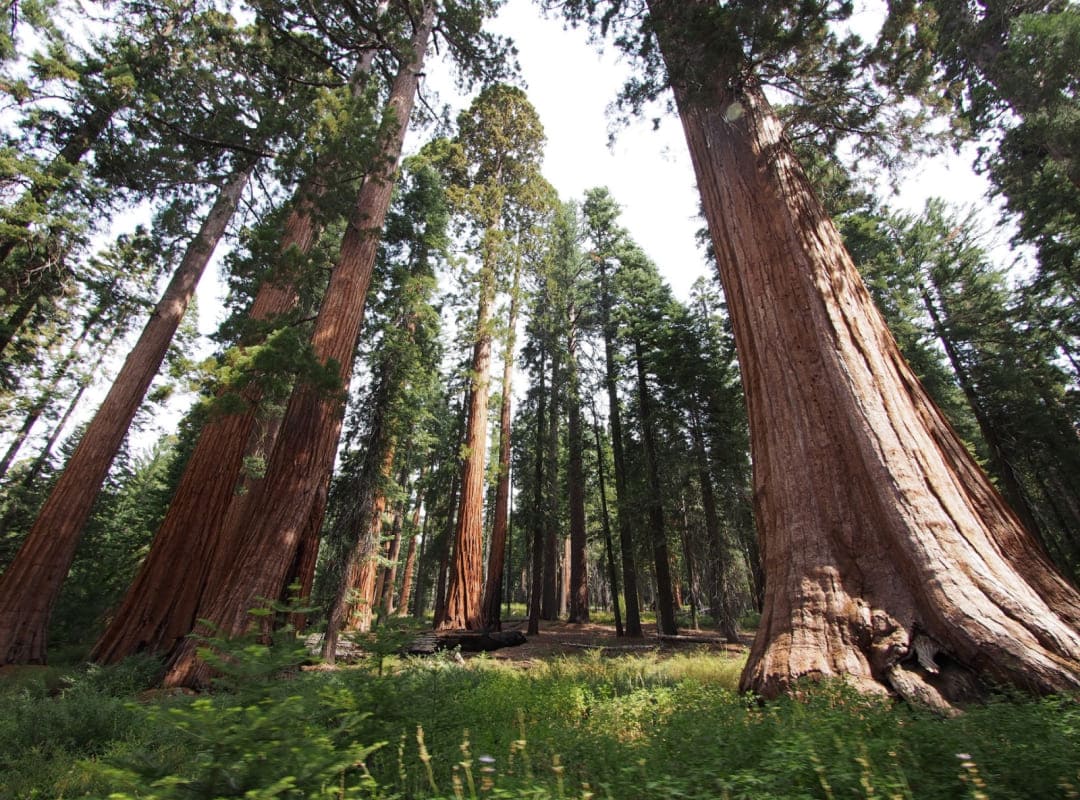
x=31, y=584
x=354, y=603
x=1013, y=489
x=307, y=442
x=499, y=525
x=549, y=605
x=44, y=399
x=665, y=601
x=83, y=384
x=419, y=602
x=722, y=605
x=537, y=588
x=463, y=599
x=881, y=537
x=389, y=581
x=73, y=151
x=579, y=555
x=447, y=538
x=622, y=497
x=410, y=554
x=613, y=574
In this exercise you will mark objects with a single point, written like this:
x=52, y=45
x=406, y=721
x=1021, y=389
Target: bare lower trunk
x=410, y=555
x=613, y=574
x=389, y=581
x=622, y=499
x=579, y=545
x=549, y=601
x=463, y=597
x=212, y=498
x=722, y=603
x=158, y=609
x=665, y=601
x=501, y=516
x=882, y=540
x=31, y=584
x=307, y=442
x=537, y=560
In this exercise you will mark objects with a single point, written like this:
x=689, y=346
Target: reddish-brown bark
x=31, y=584
x=213, y=495
x=463, y=596
x=355, y=599
x=158, y=609
x=393, y=555
x=304, y=451
x=501, y=515
x=882, y=539
x=410, y=555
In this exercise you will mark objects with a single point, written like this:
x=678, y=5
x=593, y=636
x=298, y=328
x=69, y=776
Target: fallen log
x=468, y=641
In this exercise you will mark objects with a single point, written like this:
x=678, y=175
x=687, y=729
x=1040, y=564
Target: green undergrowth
x=588, y=726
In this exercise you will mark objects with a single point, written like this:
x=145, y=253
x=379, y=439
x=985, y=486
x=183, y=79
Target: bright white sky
x=648, y=171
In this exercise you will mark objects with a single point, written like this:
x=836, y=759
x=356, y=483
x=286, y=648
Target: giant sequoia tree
x=494, y=174
x=888, y=553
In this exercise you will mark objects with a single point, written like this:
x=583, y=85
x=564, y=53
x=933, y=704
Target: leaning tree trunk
x=31, y=584
x=158, y=609
x=882, y=539
x=307, y=442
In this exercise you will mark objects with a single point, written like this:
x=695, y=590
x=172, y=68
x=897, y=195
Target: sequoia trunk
x=158, y=609
x=31, y=584
x=304, y=451
x=463, y=597
x=882, y=540
x=501, y=516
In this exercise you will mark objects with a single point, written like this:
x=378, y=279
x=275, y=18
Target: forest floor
x=560, y=638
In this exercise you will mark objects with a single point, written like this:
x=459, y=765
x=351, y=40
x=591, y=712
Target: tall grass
x=587, y=726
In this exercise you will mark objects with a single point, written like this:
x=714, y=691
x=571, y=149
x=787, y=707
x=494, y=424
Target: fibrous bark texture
x=501, y=516
x=878, y=529
x=158, y=609
x=463, y=596
x=304, y=451
x=31, y=583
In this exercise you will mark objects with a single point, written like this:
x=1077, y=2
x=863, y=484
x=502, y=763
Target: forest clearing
x=808, y=526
